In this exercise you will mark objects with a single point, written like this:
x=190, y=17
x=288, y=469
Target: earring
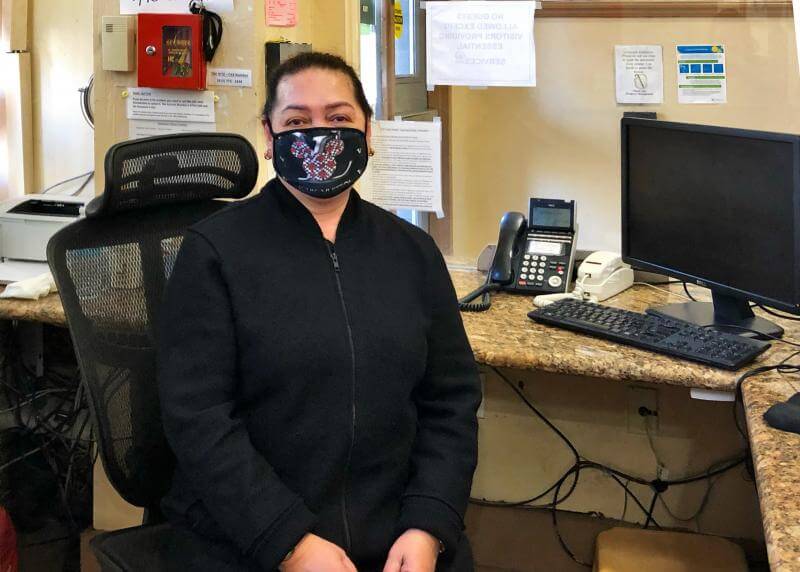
x=371, y=152
x=268, y=155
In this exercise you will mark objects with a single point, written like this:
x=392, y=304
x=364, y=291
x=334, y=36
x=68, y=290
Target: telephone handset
x=512, y=230
x=533, y=256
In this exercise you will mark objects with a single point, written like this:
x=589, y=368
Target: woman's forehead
x=315, y=88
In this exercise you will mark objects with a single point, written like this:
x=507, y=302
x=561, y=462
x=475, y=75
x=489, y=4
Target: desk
x=47, y=310
x=505, y=337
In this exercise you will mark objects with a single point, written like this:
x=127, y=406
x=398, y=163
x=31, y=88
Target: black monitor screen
x=714, y=204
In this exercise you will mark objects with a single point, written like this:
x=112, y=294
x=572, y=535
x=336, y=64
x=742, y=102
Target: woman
x=317, y=386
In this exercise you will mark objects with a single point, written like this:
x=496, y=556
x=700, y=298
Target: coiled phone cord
x=466, y=303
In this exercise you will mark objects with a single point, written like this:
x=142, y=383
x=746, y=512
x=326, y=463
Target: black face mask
x=321, y=162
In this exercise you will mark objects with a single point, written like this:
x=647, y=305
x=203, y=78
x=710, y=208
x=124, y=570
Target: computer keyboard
x=650, y=332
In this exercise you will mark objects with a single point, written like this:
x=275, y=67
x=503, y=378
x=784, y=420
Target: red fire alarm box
x=170, y=51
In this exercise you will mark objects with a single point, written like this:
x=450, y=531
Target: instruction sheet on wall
x=406, y=170
x=479, y=43
x=162, y=111
x=640, y=74
x=702, y=74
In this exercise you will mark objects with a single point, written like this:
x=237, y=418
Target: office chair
x=111, y=268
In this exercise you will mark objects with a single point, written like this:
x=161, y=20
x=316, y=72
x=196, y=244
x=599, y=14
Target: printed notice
x=170, y=6
x=702, y=74
x=232, y=77
x=480, y=43
x=281, y=13
x=406, y=171
x=139, y=128
x=170, y=105
x=640, y=74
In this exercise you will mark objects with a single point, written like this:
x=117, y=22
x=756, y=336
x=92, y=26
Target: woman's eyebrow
x=339, y=104
x=295, y=107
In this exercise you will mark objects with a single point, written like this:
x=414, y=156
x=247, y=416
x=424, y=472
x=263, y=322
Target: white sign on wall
x=640, y=74
x=230, y=76
x=481, y=43
x=406, y=171
x=170, y=105
x=170, y=6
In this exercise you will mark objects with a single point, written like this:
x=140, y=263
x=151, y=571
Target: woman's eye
x=295, y=122
x=341, y=119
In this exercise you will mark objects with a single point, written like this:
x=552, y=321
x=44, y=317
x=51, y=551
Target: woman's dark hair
x=313, y=60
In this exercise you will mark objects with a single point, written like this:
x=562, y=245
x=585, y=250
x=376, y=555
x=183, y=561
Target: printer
x=28, y=222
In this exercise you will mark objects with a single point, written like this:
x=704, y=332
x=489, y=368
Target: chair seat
x=634, y=550
x=164, y=548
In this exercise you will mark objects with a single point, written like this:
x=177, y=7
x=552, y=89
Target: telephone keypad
x=544, y=273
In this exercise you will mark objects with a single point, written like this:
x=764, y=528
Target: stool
x=634, y=549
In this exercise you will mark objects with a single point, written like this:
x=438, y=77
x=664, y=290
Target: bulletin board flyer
x=702, y=74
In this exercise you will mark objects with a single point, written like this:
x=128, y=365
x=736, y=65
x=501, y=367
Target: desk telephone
x=533, y=256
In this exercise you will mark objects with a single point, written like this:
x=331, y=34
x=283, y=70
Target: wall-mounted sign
x=281, y=13
x=640, y=74
x=702, y=74
x=480, y=43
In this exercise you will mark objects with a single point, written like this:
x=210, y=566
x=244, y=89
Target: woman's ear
x=269, y=152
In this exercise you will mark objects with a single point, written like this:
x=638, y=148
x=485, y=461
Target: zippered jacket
x=308, y=386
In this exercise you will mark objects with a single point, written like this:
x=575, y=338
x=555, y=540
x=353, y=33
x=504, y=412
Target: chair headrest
x=174, y=169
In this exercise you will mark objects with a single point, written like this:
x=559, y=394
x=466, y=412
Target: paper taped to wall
x=639, y=74
x=479, y=43
x=230, y=76
x=170, y=105
x=170, y=6
x=406, y=171
x=281, y=13
x=702, y=74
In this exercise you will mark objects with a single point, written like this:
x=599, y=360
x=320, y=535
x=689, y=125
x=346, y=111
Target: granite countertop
x=776, y=455
x=47, y=309
x=504, y=336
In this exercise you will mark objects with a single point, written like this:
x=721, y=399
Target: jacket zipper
x=336, y=272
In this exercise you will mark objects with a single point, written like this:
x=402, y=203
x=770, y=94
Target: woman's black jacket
x=308, y=386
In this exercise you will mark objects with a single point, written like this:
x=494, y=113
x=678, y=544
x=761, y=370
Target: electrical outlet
x=642, y=399
x=481, y=409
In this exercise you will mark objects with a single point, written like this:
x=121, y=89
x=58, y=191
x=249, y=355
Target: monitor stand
x=724, y=311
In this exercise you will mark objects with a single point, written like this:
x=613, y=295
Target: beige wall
x=61, y=62
x=561, y=139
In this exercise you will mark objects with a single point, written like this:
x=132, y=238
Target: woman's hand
x=415, y=551
x=315, y=554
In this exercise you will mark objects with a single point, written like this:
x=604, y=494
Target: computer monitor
x=717, y=207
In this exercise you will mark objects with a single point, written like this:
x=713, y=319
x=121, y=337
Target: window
x=405, y=34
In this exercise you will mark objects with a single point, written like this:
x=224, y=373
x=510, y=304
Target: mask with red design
x=321, y=162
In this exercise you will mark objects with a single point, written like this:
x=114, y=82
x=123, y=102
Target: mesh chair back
x=175, y=168
x=111, y=270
